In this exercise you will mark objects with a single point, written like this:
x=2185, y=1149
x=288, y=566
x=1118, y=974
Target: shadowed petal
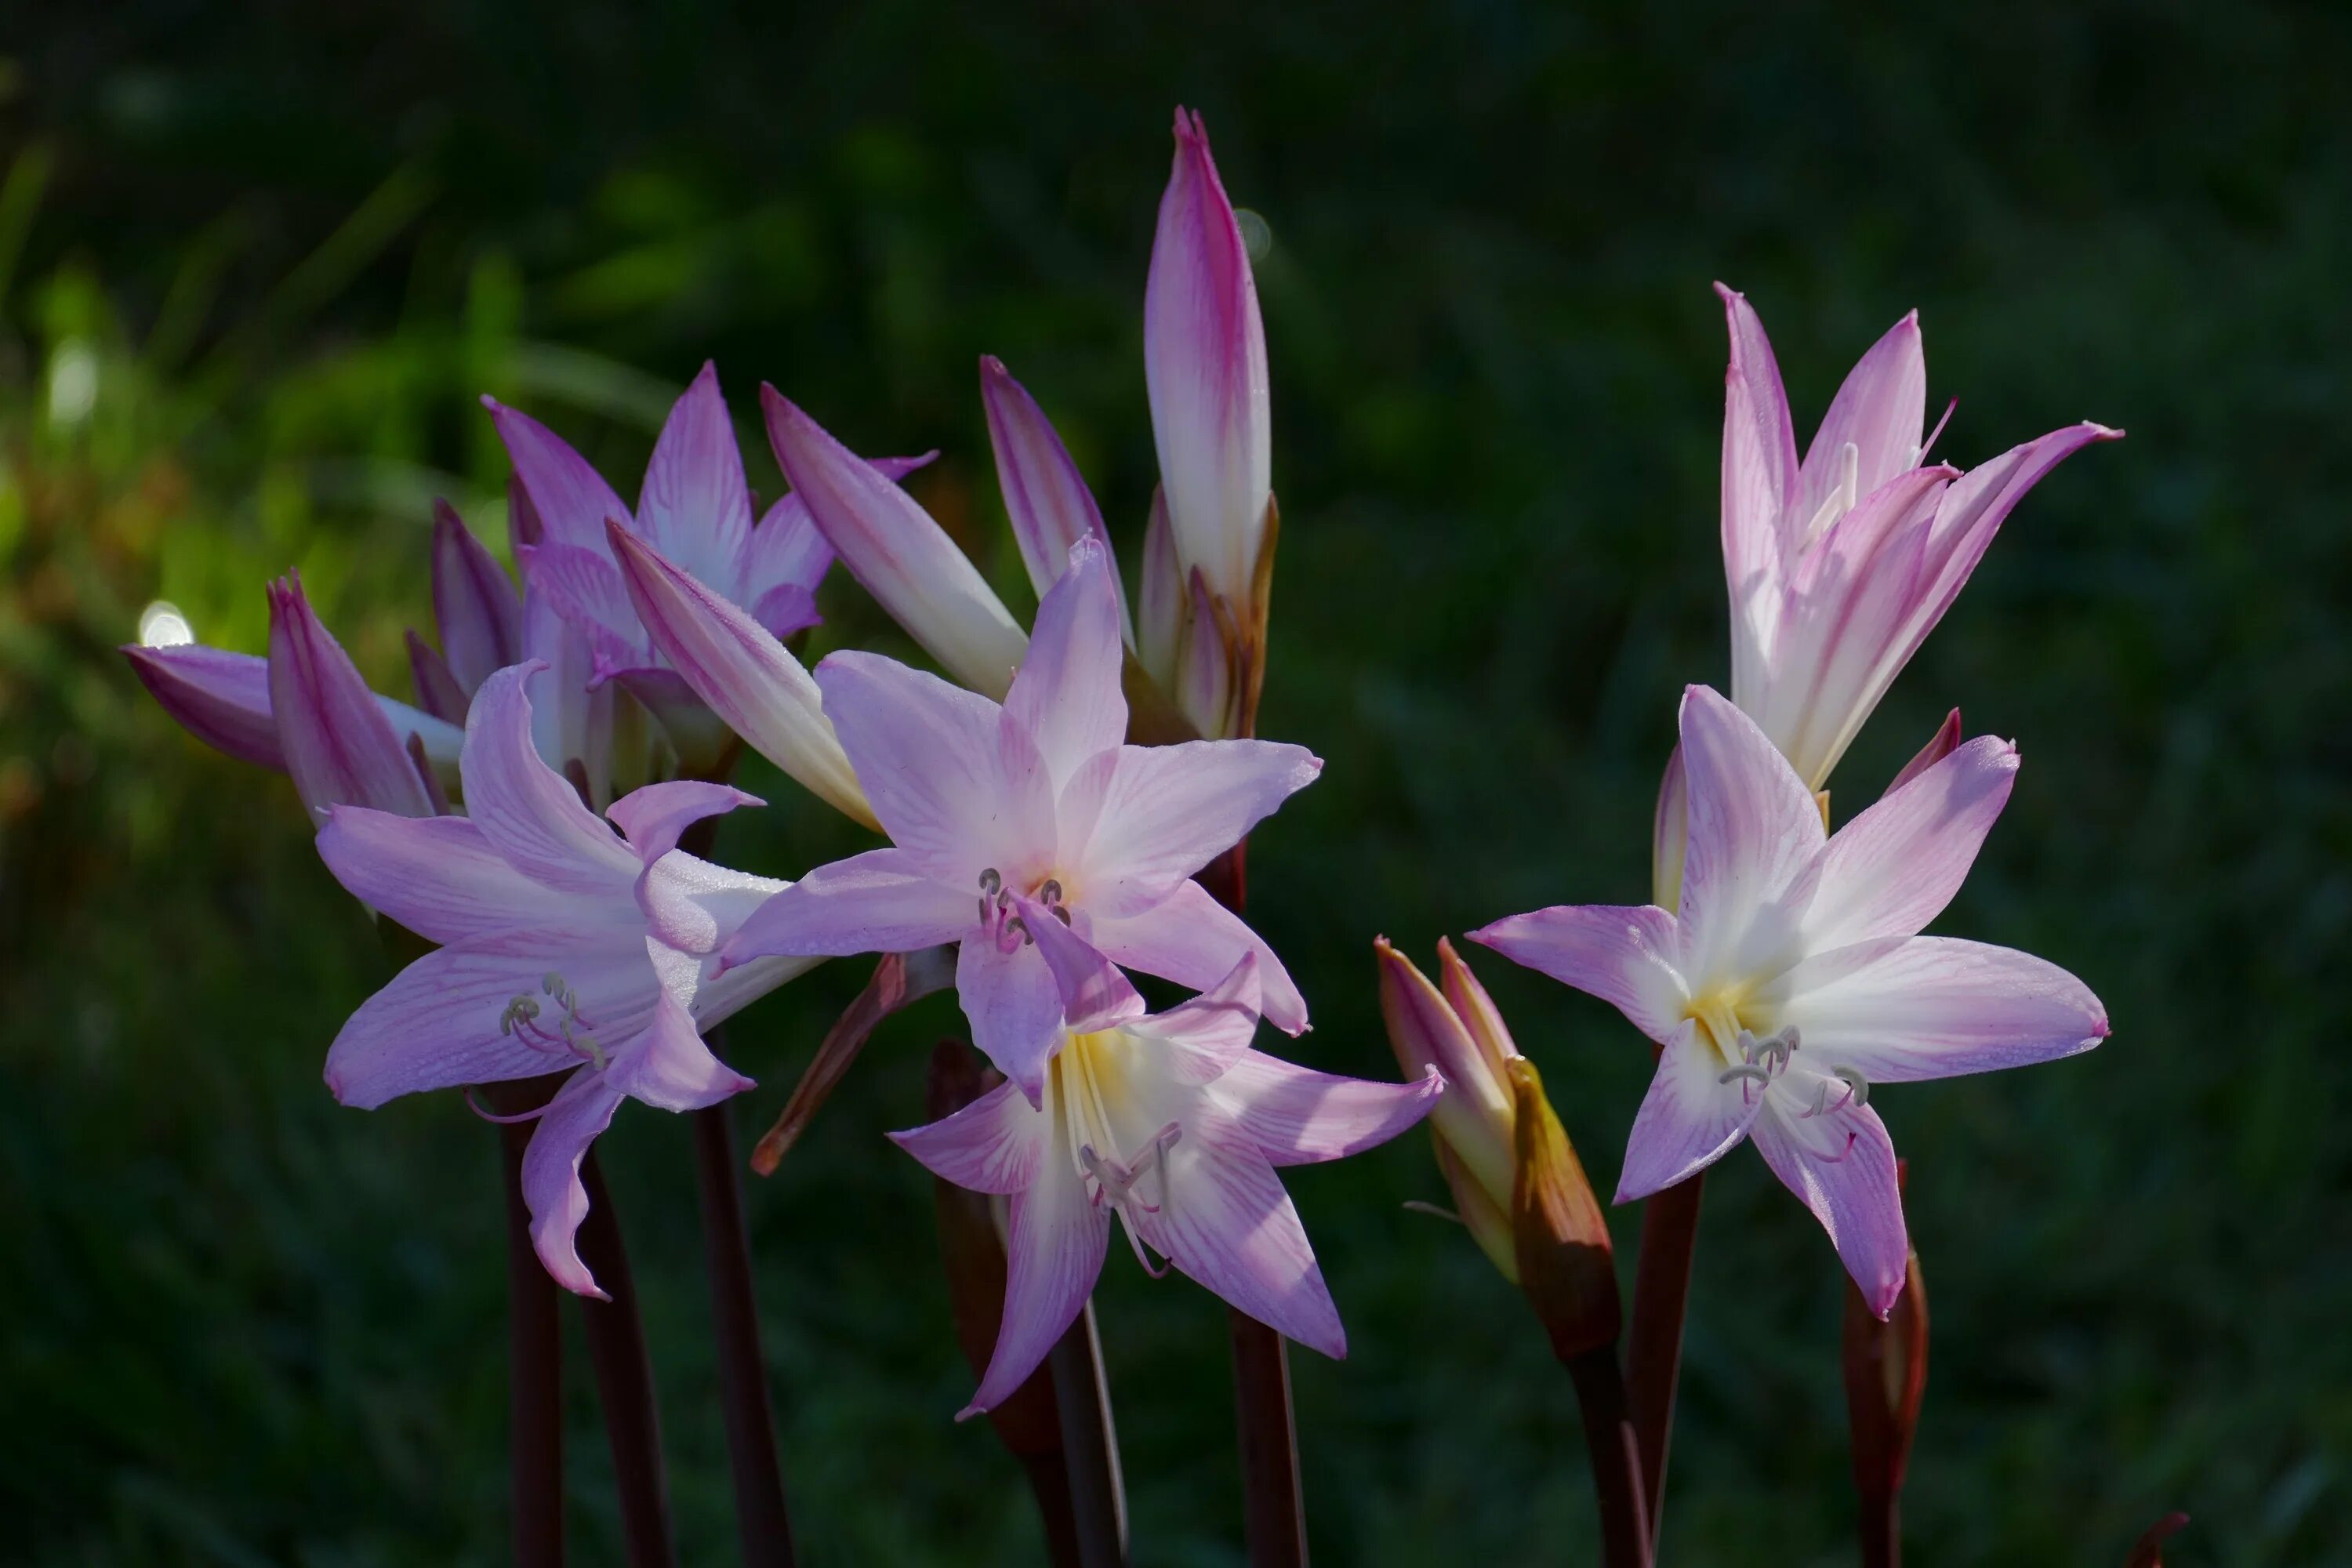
x=339, y=745
x=569, y=500
x=574, y=1119
x=1095, y=995
x=526, y=809
x=220, y=698
x=998, y=1143
x=438, y=691
x=880, y=901
x=436, y=1024
x=1940, y=1007
x=1893, y=869
x=1067, y=693
x=668, y=1066
x=1297, y=1116
x=441, y=878
x=1052, y=1254
x=1014, y=1008
x=695, y=507
x=1689, y=1119
x=1160, y=597
x=1629, y=957
x=1841, y=1166
x=1191, y=939
x=589, y=591
x=475, y=603
x=653, y=817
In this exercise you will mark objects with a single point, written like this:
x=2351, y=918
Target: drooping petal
x=1204, y=362
x=1052, y=1254
x=668, y=1066
x=1754, y=835
x=442, y=878
x=574, y=1119
x=569, y=500
x=1095, y=995
x=1297, y=1116
x=1067, y=693
x=1880, y=411
x=1841, y=1165
x=438, y=1023
x=1893, y=869
x=1689, y=1119
x=1013, y=1007
x=901, y=557
x=881, y=902
x=1939, y=1007
x=695, y=507
x=998, y=1143
x=1228, y=1224
x=932, y=758
x=1190, y=938
x=338, y=746
x=528, y=812
x=1169, y=810
x=749, y=678
x=475, y=603
x=1208, y=1034
x=1632, y=958
x=220, y=698
x=653, y=817
x=1044, y=495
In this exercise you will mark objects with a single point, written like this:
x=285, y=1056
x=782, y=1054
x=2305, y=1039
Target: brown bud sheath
x=1885, y=1378
x=1566, y=1268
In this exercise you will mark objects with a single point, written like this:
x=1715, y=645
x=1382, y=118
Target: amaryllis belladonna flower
x=565, y=946
x=1791, y=979
x=1175, y=1123
x=303, y=710
x=695, y=511
x=1036, y=798
x=1840, y=565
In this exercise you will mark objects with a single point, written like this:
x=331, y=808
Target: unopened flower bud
x=1567, y=1269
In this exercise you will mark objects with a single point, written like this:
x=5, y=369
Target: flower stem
x=763, y=1527
x=1662, y=1276
x=535, y=1354
x=1274, y=1507
x=1274, y=1512
x=1610, y=1442
x=624, y=1380
x=1089, y=1444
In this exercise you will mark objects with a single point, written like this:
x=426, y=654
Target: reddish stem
x=1662, y=1276
x=624, y=1379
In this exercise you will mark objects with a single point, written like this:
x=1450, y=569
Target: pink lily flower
x=564, y=945
x=342, y=743
x=1841, y=565
x=1793, y=978
x=1174, y=1123
x=695, y=511
x=1038, y=798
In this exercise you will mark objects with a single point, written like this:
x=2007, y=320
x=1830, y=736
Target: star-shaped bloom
x=564, y=945
x=1793, y=978
x=695, y=512
x=1036, y=798
x=1839, y=566
x=1178, y=1125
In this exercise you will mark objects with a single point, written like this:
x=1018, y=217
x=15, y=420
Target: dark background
x=257, y=265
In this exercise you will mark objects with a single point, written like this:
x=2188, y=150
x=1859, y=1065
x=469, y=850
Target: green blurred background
x=256, y=266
